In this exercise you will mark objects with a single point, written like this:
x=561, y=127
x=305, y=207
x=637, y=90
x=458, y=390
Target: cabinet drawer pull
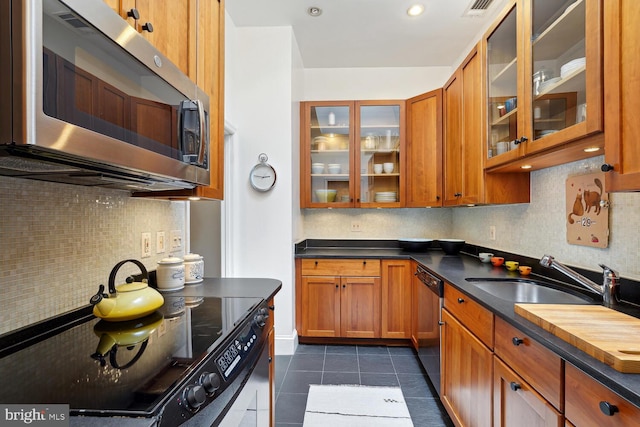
x=316, y=263
x=460, y=300
x=515, y=386
x=608, y=409
x=364, y=262
x=517, y=341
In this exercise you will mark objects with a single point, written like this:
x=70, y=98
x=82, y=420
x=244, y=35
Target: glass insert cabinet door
x=379, y=159
x=558, y=51
x=328, y=154
x=502, y=86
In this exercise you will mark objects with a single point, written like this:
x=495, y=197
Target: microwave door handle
x=204, y=141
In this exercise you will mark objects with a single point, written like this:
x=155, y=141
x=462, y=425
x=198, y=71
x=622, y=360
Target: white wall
x=335, y=84
x=260, y=91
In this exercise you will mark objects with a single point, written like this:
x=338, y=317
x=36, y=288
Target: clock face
x=262, y=177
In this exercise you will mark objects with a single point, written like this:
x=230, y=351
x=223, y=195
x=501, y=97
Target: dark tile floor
x=350, y=364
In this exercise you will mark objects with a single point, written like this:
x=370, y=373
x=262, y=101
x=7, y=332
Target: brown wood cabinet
x=396, y=298
x=467, y=359
x=341, y=144
x=521, y=354
x=334, y=303
x=169, y=26
x=424, y=150
x=516, y=403
x=621, y=86
x=207, y=70
x=465, y=181
x=466, y=383
x=589, y=403
x=271, y=342
x=544, y=84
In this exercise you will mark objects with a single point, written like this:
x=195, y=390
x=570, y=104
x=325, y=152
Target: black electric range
x=164, y=367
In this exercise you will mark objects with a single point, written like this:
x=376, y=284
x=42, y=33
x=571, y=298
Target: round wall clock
x=263, y=175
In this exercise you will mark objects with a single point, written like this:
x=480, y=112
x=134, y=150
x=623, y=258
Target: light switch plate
x=146, y=245
x=160, y=242
x=176, y=240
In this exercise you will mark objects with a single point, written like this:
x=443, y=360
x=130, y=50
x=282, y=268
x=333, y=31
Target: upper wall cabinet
x=622, y=86
x=206, y=69
x=352, y=154
x=169, y=26
x=544, y=79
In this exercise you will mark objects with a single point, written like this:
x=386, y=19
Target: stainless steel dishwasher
x=430, y=301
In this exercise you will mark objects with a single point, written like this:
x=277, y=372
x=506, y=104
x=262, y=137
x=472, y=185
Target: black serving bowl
x=415, y=245
x=451, y=246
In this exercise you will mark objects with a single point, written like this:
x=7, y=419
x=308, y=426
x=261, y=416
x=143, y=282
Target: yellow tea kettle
x=127, y=301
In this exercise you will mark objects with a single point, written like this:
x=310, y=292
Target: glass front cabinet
x=352, y=154
x=544, y=78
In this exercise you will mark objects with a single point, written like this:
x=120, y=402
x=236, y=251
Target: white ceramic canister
x=170, y=274
x=193, y=268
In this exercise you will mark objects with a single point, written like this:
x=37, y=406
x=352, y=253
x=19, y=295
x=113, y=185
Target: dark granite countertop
x=237, y=287
x=455, y=269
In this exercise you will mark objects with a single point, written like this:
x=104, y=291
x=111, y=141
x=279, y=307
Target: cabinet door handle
x=517, y=341
x=522, y=139
x=147, y=27
x=316, y=263
x=460, y=300
x=364, y=262
x=344, y=286
x=133, y=13
x=608, y=409
x=515, y=386
x=606, y=167
x=457, y=195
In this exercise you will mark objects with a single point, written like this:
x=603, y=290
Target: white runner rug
x=356, y=406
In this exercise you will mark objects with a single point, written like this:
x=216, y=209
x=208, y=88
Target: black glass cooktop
x=94, y=365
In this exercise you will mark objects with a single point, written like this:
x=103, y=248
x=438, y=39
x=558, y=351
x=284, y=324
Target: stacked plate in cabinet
x=386, y=197
x=572, y=66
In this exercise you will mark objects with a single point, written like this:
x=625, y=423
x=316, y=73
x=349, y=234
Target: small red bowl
x=497, y=261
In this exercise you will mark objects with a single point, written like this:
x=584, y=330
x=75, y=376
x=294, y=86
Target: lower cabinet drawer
x=476, y=318
x=341, y=267
x=523, y=354
x=589, y=403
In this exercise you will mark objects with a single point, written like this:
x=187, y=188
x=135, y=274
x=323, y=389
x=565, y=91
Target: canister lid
x=192, y=257
x=170, y=260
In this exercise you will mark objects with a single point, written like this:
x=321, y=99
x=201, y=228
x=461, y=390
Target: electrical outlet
x=355, y=227
x=160, y=242
x=176, y=240
x=146, y=245
x=492, y=232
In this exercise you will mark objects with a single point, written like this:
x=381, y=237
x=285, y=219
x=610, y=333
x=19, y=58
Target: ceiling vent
x=477, y=8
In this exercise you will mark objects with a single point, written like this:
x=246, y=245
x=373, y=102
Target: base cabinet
x=335, y=304
x=516, y=403
x=466, y=375
x=396, y=298
x=589, y=403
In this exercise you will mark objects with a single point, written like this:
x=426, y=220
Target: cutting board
x=605, y=334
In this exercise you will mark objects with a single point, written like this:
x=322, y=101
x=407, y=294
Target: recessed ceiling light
x=314, y=11
x=415, y=10
x=525, y=167
x=591, y=149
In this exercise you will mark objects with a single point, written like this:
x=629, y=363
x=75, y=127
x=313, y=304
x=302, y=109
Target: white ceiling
x=370, y=33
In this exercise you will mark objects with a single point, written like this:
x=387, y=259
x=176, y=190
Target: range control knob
x=260, y=320
x=210, y=382
x=194, y=396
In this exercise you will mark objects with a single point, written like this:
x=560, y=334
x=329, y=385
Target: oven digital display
x=233, y=354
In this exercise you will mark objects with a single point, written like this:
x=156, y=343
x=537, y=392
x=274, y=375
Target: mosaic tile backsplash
x=528, y=229
x=61, y=241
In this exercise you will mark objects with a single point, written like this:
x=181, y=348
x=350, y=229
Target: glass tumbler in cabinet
x=502, y=86
x=328, y=156
x=380, y=153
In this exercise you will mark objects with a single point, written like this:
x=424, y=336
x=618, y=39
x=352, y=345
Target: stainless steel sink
x=530, y=291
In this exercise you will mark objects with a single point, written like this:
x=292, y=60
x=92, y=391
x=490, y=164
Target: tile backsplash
x=61, y=241
x=531, y=229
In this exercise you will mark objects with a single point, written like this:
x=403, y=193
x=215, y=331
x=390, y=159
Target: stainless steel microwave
x=87, y=100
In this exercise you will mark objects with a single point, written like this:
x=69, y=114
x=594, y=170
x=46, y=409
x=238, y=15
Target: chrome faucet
x=609, y=290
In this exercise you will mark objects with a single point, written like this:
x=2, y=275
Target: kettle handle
x=112, y=276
